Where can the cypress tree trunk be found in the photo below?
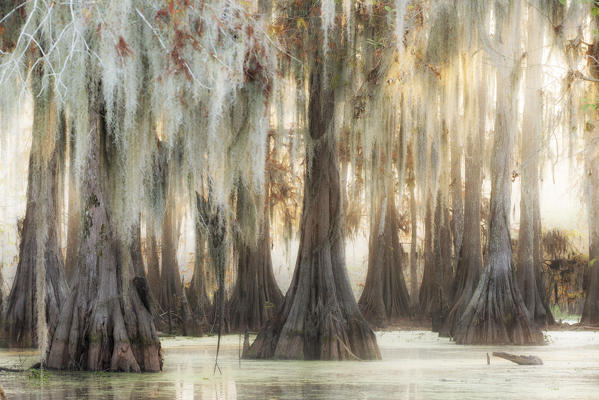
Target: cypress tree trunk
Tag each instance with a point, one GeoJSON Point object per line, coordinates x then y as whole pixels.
{"type": "Point", "coordinates": [197, 295]}
{"type": "Point", "coordinates": [539, 261]}
{"type": "Point", "coordinates": [590, 313]}
{"type": "Point", "coordinates": [457, 201]}
{"type": "Point", "coordinates": [39, 281]}
{"type": "Point", "coordinates": [496, 313]}
{"type": "Point", "coordinates": [385, 297]}
{"type": "Point", "coordinates": [74, 216]}
{"type": "Point", "coordinates": [429, 291]}
{"type": "Point", "coordinates": [413, 245]}
{"type": "Point", "coordinates": [470, 257]}
{"type": "Point", "coordinates": [214, 226]}
{"type": "Point", "coordinates": [134, 252]}
{"type": "Point", "coordinates": [443, 271]}
{"type": "Point", "coordinates": [173, 297]}
{"type": "Point", "coordinates": [469, 261]}
{"type": "Point", "coordinates": [137, 260]}
{"type": "Point", "coordinates": [530, 224]}
{"type": "Point", "coordinates": [153, 262]}
{"type": "Point", "coordinates": [319, 318]}
{"type": "Point", "coordinates": [104, 324]}
{"type": "Point", "coordinates": [256, 295]}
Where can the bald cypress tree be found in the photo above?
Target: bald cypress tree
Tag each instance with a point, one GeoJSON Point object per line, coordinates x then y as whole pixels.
{"type": "Point", "coordinates": [39, 287]}
{"type": "Point", "coordinates": [319, 318]}
{"type": "Point", "coordinates": [590, 313]}
{"type": "Point", "coordinates": [119, 334]}
{"type": "Point", "coordinates": [496, 313]}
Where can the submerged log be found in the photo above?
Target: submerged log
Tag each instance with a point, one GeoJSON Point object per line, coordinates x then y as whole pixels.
{"type": "Point", "coordinates": [520, 360]}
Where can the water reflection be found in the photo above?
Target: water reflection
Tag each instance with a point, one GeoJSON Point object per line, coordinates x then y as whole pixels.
{"type": "Point", "coordinates": [416, 365]}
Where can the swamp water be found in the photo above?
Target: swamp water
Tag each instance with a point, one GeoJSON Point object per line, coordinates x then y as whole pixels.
{"type": "Point", "coordinates": [416, 365]}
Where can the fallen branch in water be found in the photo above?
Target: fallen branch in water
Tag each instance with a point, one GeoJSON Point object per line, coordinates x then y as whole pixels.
{"type": "Point", "coordinates": [3, 369]}
{"type": "Point", "coordinates": [520, 360]}
{"type": "Point", "coordinates": [34, 366]}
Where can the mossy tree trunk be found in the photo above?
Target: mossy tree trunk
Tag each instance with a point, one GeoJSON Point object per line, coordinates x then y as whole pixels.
{"type": "Point", "coordinates": [39, 280]}
{"type": "Point", "coordinates": [104, 324]}
{"type": "Point", "coordinates": [319, 318]}
{"type": "Point", "coordinates": [385, 296]}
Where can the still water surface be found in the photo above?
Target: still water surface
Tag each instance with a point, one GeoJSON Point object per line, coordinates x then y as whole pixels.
{"type": "Point", "coordinates": [416, 365]}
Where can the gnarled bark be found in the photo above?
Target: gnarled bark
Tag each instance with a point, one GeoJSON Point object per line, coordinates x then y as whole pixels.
{"type": "Point", "coordinates": [385, 296]}
{"type": "Point", "coordinates": [319, 318]}
{"type": "Point", "coordinates": [103, 325]}
{"type": "Point", "coordinates": [40, 268]}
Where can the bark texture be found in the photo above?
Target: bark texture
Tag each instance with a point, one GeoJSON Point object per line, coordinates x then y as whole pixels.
{"type": "Point", "coordinates": [319, 318]}
{"type": "Point", "coordinates": [39, 281]}
{"type": "Point", "coordinates": [104, 324]}
{"type": "Point", "coordinates": [385, 296]}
